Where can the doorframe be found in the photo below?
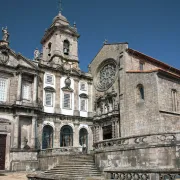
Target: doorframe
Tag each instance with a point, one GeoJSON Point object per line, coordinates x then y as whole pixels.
{"type": "Point", "coordinates": [7, 152]}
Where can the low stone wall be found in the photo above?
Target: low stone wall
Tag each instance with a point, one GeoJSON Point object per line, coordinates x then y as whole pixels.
{"type": "Point", "coordinates": [156, 151]}
{"type": "Point", "coordinates": [151, 174]}
{"type": "Point", "coordinates": [49, 158]}
{"type": "Point", "coordinates": [23, 160]}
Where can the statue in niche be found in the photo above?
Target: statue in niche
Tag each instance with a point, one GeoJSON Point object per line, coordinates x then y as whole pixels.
{"type": "Point", "coordinates": [5, 34]}
{"type": "Point", "coordinates": [36, 54]}
{"type": "Point", "coordinates": [26, 146]}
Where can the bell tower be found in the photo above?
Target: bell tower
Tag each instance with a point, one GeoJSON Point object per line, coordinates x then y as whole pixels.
{"type": "Point", "coordinates": [60, 42]}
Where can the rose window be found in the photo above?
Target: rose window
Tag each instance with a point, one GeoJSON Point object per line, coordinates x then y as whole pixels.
{"type": "Point", "coordinates": [106, 76]}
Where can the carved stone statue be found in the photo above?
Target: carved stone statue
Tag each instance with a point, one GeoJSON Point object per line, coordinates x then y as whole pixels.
{"type": "Point", "coordinates": [36, 53]}
{"type": "Point", "coordinates": [5, 34]}
{"type": "Point", "coordinates": [26, 146]}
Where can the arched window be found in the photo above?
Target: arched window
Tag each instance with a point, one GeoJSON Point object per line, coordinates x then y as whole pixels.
{"type": "Point", "coordinates": [66, 136]}
{"type": "Point", "coordinates": [66, 47]}
{"type": "Point", "coordinates": [83, 137]}
{"type": "Point", "coordinates": [49, 49]}
{"type": "Point", "coordinates": [47, 137]}
{"type": "Point", "coordinates": [140, 92]}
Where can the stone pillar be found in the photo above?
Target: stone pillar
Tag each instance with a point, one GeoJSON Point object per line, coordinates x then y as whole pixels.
{"type": "Point", "coordinates": [113, 129]}
{"type": "Point", "coordinates": [33, 136]}
{"type": "Point", "coordinates": [19, 86]}
{"type": "Point", "coordinates": [57, 96]}
{"type": "Point", "coordinates": [90, 95]}
{"type": "Point", "coordinates": [76, 97]}
{"type": "Point", "coordinates": [35, 89]}
{"type": "Point", "coordinates": [100, 133]}
{"type": "Point", "coordinates": [16, 132]}
{"type": "Point", "coordinates": [117, 134]}
{"type": "Point", "coordinates": [76, 135]}
{"type": "Point", "coordinates": [97, 133]}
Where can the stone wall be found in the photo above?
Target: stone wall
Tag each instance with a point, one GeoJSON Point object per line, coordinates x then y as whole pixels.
{"type": "Point", "coordinates": [23, 160]}
{"type": "Point", "coordinates": [153, 151]}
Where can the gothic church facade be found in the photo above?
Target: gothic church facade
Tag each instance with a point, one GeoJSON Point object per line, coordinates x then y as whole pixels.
{"type": "Point", "coordinates": [126, 108]}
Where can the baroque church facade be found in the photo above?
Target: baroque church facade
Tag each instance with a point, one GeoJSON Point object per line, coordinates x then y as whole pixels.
{"type": "Point", "coordinates": [125, 110]}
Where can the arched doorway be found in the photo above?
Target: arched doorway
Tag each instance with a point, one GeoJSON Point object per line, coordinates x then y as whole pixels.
{"type": "Point", "coordinates": [47, 137]}
{"type": "Point", "coordinates": [66, 136]}
{"type": "Point", "coordinates": [83, 138]}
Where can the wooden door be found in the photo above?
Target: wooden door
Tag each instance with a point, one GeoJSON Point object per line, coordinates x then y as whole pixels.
{"type": "Point", "coordinates": [2, 151]}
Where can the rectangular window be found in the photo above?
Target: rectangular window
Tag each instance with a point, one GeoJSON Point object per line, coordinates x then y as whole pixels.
{"type": "Point", "coordinates": [49, 79]}
{"type": "Point", "coordinates": [26, 91]}
{"type": "Point", "coordinates": [82, 86]}
{"type": "Point", "coordinates": [49, 99]}
{"type": "Point", "coordinates": [3, 84]}
{"type": "Point", "coordinates": [83, 104]}
{"type": "Point", "coordinates": [174, 99]}
{"type": "Point", "coordinates": [141, 66]}
{"type": "Point", "coordinates": [67, 101]}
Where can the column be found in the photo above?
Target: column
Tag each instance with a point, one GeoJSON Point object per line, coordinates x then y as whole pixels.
{"type": "Point", "coordinates": [113, 129]}
{"type": "Point", "coordinates": [117, 128]}
{"type": "Point", "coordinates": [35, 89]}
{"type": "Point", "coordinates": [19, 86]}
{"type": "Point", "coordinates": [100, 133]}
{"type": "Point", "coordinates": [16, 132]}
{"type": "Point", "coordinates": [90, 95]}
{"type": "Point", "coordinates": [76, 135]}
{"type": "Point", "coordinates": [57, 95]}
{"type": "Point", "coordinates": [76, 97]}
{"type": "Point", "coordinates": [33, 136]}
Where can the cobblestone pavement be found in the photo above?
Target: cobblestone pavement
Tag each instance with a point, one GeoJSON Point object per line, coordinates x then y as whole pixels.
{"type": "Point", "coordinates": [13, 176]}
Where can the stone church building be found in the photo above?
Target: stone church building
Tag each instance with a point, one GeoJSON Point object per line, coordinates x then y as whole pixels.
{"type": "Point", "coordinates": [125, 110]}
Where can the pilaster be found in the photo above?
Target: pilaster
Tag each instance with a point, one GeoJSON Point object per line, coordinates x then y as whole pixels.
{"type": "Point", "coordinates": [58, 98]}
{"type": "Point", "coordinates": [35, 90]}
{"type": "Point", "coordinates": [76, 97]}
{"type": "Point", "coordinates": [16, 132]}
{"type": "Point", "coordinates": [33, 136]}
{"type": "Point", "coordinates": [19, 86]}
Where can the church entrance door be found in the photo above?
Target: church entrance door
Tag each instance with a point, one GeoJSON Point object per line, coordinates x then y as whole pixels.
{"type": "Point", "coordinates": [2, 151]}
{"type": "Point", "coordinates": [83, 139]}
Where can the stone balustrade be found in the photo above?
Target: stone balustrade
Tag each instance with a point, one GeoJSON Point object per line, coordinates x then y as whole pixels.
{"type": "Point", "coordinates": [60, 151]}
{"type": "Point", "coordinates": [139, 141]}
{"type": "Point", "coordinates": [143, 175]}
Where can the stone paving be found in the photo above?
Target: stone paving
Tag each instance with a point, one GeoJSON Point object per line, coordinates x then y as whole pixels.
{"type": "Point", "coordinates": [13, 176]}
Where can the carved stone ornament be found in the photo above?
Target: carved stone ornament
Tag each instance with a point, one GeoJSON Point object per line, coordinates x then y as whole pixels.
{"type": "Point", "coordinates": [106, 75]}
{"type": "Point", "coordinates": [67, 83]}
{"type": "Point", "coordinates": [4, 57]}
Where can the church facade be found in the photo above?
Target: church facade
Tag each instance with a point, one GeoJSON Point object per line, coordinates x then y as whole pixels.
{"type": "Point", "coordinates": [126, 109]}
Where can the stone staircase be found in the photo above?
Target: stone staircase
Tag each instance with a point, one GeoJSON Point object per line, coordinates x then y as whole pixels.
{"type": "Point", "coordinates": [79, 167]}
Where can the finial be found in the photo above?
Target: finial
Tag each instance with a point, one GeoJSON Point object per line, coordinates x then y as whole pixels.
{"type": "Point", "coordinates": [60, 6]}
{"type": "Point", "coordinates": [105, 41]}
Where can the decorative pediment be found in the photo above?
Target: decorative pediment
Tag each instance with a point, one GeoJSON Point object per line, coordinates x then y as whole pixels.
{"type": "Point", "coordinates": [49, 88]}
{"type": "Point", "coordinates": [83, 95]}
{"type": "Point", "coordinates": [67, 83]}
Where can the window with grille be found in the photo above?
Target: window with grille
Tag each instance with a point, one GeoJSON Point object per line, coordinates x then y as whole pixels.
{"type": "Point", "coordinates": [67, 101]}
{"type": "Point", "coordinates": [49, 79]}
{"type": "Point", "coordinates": [82, 86]}
{"type": "Point", "coordinates": [83, 104]}
{"type": "Point", "coordinates": [49, 99]}
{"type": "Point", "coordinates": [3, 84]}
{"type": "Point", "coordinates": [26, 91]}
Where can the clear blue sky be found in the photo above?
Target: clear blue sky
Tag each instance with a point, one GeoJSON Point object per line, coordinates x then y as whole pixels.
{"type": "Point", "coordinates": [149, 26]}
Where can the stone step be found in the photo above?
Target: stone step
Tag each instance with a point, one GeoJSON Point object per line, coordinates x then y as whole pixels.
{"type": "Point", "coordinates": [73, 171]}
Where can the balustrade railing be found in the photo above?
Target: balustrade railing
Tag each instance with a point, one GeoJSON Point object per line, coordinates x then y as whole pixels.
{"type": "Point", "coordinates": [149, 139]}
{"type": "Point", "coordinates": [60, 151]}
{"type": "Point", "coordinates": [142, 175]}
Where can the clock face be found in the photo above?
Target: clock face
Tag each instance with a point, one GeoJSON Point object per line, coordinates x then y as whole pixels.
{"type": "Point", "coordinates": [4, 57]}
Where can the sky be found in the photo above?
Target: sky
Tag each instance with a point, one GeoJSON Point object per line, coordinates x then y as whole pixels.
{"type": "Point", "coordinates": [149, 26]}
